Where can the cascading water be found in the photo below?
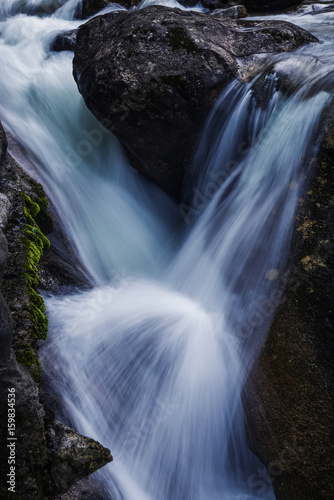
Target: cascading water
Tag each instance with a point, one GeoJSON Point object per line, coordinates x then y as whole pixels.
{"type": "Point", "coordinates": [152, 362]}
{"type": "Point", "coordinates": [41, 105]}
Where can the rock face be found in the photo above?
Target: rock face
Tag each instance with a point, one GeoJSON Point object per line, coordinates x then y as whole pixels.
{"type": "Point", "coordinates": [235, 12]}
{"type": "Point", "coordinates": [151, 76]}
{"type": "Point", "coordinates": [49, 457]}
{"type": "Point", "coordinates": [88, 8]}
{"type": "Point", "coordinates": [3, 143]}
{"type": "Point", "coordinates": [64, 41]}
{"type": "Point", "coordinates": [265, 6]}
{"type": "Point", "coordinates": [293, 380]}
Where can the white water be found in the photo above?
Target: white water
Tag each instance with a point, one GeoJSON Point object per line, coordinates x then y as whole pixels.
{"type": "Point", "coordinates": [151, 362]}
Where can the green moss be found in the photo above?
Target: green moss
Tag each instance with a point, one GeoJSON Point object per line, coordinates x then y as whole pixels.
{"type": "Point", "coordinates": [39, 208]}
{"type": "Point", "coordinates": [91, 465]}
{"type": "Point", "coordinates": [31, 207]}
{"type": "Point", "coordinates": [28, 358]}
{"type": "Point", "coordinates": [179, 39]}
{"type": "Point", "coordinates": [35, 243]}
{"type": "Point", "coordinates": [87, 468]}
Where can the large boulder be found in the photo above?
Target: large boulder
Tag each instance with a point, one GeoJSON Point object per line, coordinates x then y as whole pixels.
{"type": "Point", "coordinates": [151, 76]}
{"type": "Point", "coordinates": [289, 398]}
{"type": "Point", "coordinates": [265, 6]}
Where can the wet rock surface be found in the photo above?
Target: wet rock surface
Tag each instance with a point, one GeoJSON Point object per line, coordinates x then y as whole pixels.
{"type": "Point", "coordinates": [49, 457]}
{"type": "Point", "coordinates": [151, 77]}
{"type": "Point", "coordinates": [235, 12]}
{"type": "Point", "coordinates": [289, 399]}
{"type": "Point", "coordinates": [266, 6]}
{"type": "Point", "coordinates": [59, 268]}
{"type": "Point", "coordinates": [86, 489]}
{"type": "Point", "coordinates": [64, 41]}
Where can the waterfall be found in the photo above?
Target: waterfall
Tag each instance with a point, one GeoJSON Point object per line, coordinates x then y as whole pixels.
{"type": "Point", "coordinates": [152, 361]}
{"type": "Point", "coordinates": [158, 366]}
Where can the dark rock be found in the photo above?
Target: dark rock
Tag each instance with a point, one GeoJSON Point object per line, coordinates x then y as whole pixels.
{"type": "Point", "coordinates": [289, 74]}
{"type": "Point", "coordinates": [151, 76]}
{"type": "Point", "coordinates": [289, 399]}
{"type": "Point", "coordinates": [188, 3]}
{"type": "Point", "coordinates": [233, 10]}
{"type": "Point", "coordinates": [6, 328]}
{"type": "Point", "coordinates": [49, 457]}
{"type": "Point", "coordinates": [76, 456]}
{"type": "Point", "coordinates": [86, 489]}
{"type": "Point", "coordinates": [4, 210]}
{"type": "Point", "coordinates": [236, 12]}
{"type": "Point", "coordinates": [214, 4]}
{"type": "Point", "coordinates": [64, 41]}
{"type": "Point", "coordinates": [88, 8]}
{"type": "Point", "coordinates": [3, 254]}
{"type": "Point", "coordinates": [3, 143]}
{"type": "Point", "coordinates": [59, 268]}
{"type": "Point", "coordinates": [264, 6]}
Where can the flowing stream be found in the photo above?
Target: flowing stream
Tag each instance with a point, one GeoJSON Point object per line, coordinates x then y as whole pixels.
{"type": "Point", "coordinates": [152, 360]}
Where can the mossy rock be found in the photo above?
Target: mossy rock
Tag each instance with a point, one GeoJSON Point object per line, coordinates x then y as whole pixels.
{"type": "Point", "coordinates": [26, 243]}
{"type": "Point", "coordinates": [35, 243]}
